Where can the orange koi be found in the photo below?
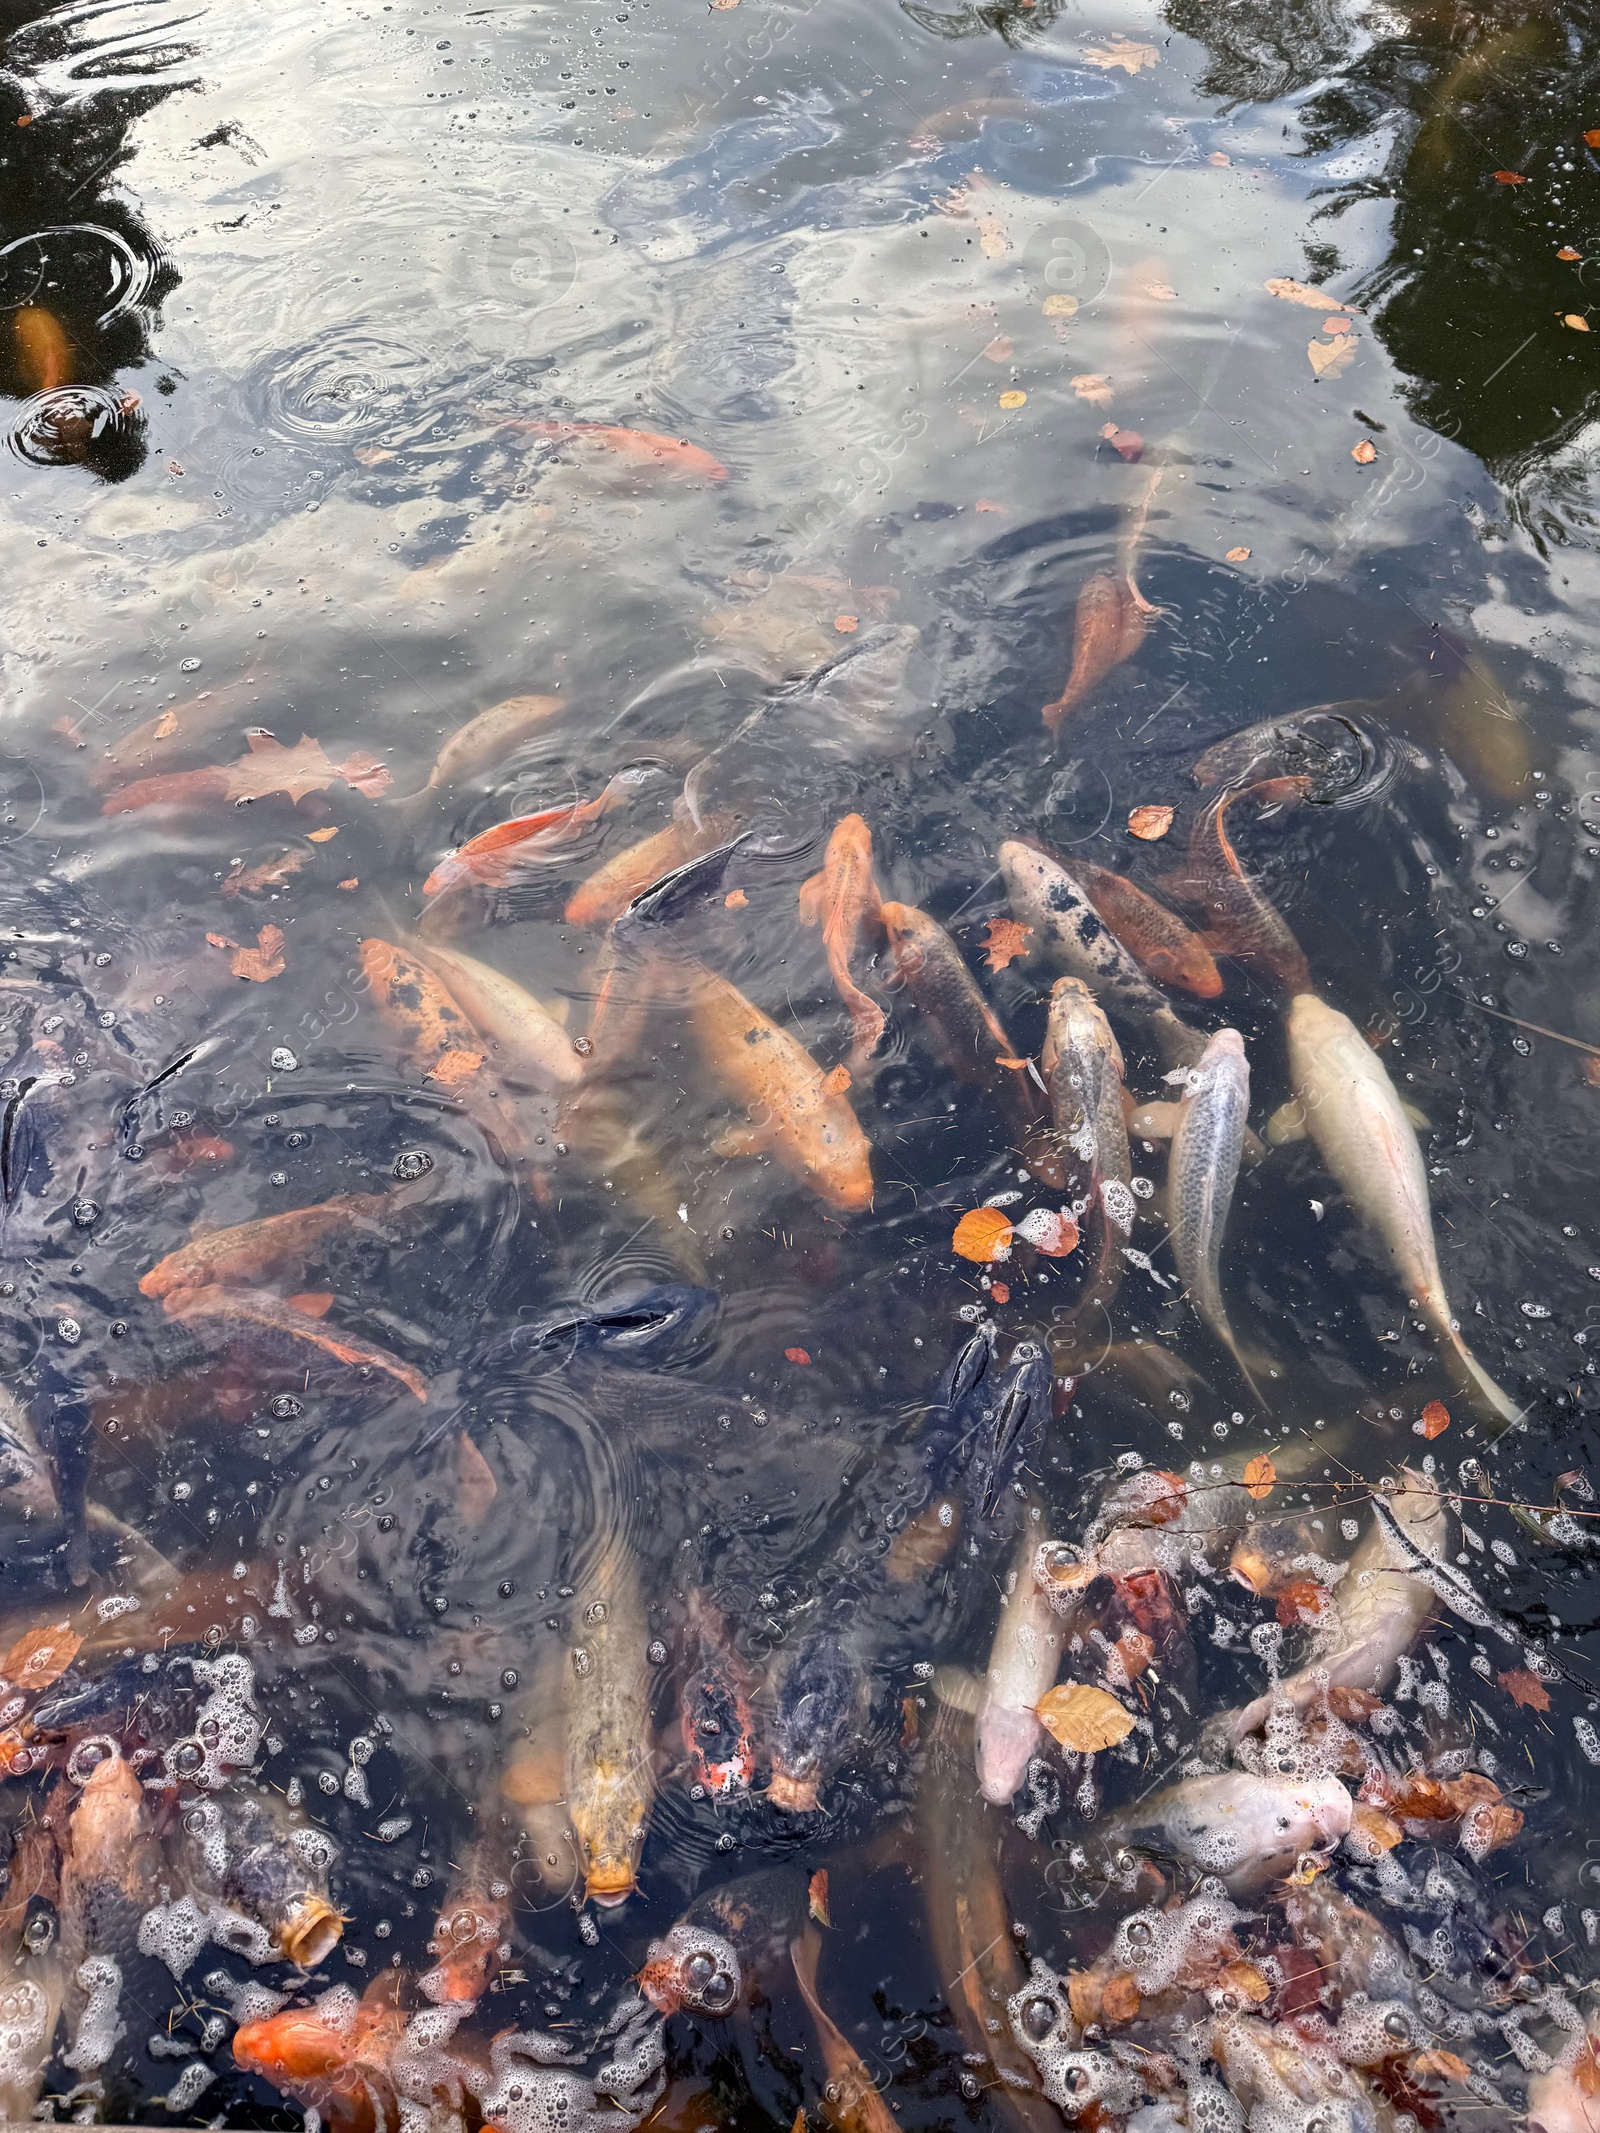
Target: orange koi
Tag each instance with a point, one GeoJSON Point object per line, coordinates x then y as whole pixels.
{"type": "Point", "coordinates": [1108, 628]}
{"type": "Point", "coordinates": [851, 2099]}
{"type": "Point", "coordinates": [646, 449]}
{"type": "Point", "coordinates": [334, 2056]}
{"type": "Point", "coordinates": [1159, 942]}
{"type": "Point", "coordinates": [611, 888]}
{"type": "Point", "coordinates": [496, 856]}
{"type": "Point", "coordinates": [841, 898]}
{"type": "Point", "coordinates": [1241, 922]}
{"type": "Point", "coordinates": [471, 1937]}
{"type": "Point", "coordinates": [44, 353]}
{"type": "Point", "coordinates": [257, 1251]}
{"type": "Point", "coordinates": [797, 1114]}
{"type": "Point", "coordinates": [416, 1004]}
{"type": "Point", "coordinates": [254, 1308]}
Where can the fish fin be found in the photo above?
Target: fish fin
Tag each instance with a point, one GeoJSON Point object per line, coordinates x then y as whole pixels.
{"type": "Point", "coordinates": [1479, 1383]}
{"type": "Point", "coordinates": [1287, 1124]}
{"type": "Point", "coordinates": [960, 1688]}
{"type": "Point", "coordinates": [740, 1140]}
{"type": "Point", "coordinates": [311, 1303]}
{"type": "Point", "coordinates": [1418, 1117]}
{"type": "Point", "coordinates": [814, 900]}
{"type": "Point", "coordinates": [1154, 1121]}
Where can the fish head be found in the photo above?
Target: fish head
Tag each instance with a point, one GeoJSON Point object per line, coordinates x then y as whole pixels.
{"type": "Point", "coordinates": [469, 1940]}
{"type": "Point", "coordinates": [301, 2044]}
{"type": "Point", "coordinates": [694, 1968]}
{"type": "Point", "coordinates": [718, 1731]}
{"type": "Point", "coordinates": [610, 1815]}
{"type": "Point", "coordinates": [311, 1931]}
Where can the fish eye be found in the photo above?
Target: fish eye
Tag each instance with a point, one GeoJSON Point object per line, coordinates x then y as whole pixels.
{"type": "Point", "coordinates": [1039, 2018]}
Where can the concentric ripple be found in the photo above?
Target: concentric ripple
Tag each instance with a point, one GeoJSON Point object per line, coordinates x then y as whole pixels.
{"type": "Point", "coordinates": [83, 257]}
{"type": "Point", "coordinates": [73, 425]}
{"type": "Point", "coordinates": [346, 385]}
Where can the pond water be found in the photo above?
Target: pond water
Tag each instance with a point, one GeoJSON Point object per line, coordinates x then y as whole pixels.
{"type": "Point", "coordinates": [587, 589]}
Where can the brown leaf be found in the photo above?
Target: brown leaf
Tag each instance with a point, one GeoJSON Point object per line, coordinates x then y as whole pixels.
{"type": "Point", "coordinates": [1083, 1996]}
{"type": "Point", "coordinates": [1435, 1419]}
{"type": "Point", "coordinates": [1376, 1831]}
{"type": "Point", "coordinates": [1004, 941]}
{"type": "Point", "coordinates": [352, 883]}
{"type": "Point", "coordinates": [1151, 823]}
{"type": "Point", "coordinates": [796, 1355]}
{"type": "Point", "coordinates": [1592, 136]}
{"type": "Point", "coordinates": [1246, 1980]}
{"type": "Point", "coordinates": [1134, 1652]}
{"type": "Point", "coordinates": [1352, 1707]}
{"type": "Point", "coordinates": [846, 624]}
{"type": "Point", "coordinates": [1336, 325]}
{"type": "Point", "coordinates": [1440, 2066]}
{"type": "Point", "coordinates": [1127, 444]}
{"type": "Point", "coordinates": [982, 1235]}
{"type": "Point", "coordinates": [1237, 555]}
{"type": "Point", "coordinates": [41, 1656]}
{"type": "Point", "coordinates": [1000, 1291]}
{"type": "Point", "coordinates": [1050, 1230]}
{"type": "Point", "coordinates": [321, 836]}
{"type": "Point", "coordinates": [1260, 1476]}
{"type": "Point", "coordinates": [1364, 453]}
{"type": "Point", "coordinates": [1525, 1688]}
{"type": "Point", "coordinates": [306, 767]}
{"type": "Point", "coordinates": [1302, 1600]}
{"type": "Point", "coordinates": [1091, 386]}
{"type": "Point", "coordinates": [1576, 321]}
{"type": "Point", "coordinates": [817, 1897]}
{"type": "Point", "coordinates": [1566, 252]}
{"type": "Point", "coordinates": [264, 960]}
{"type": "Point", "coordinates": [1120, 1997]}
{"type": "Point", "coordinates": [1120, 52]}
{"type": "Point", "coordinates": [1509, 177]}
{"type": "Point", "coordinates": [1296, 292]}
{"type": "Point", "coordinates": [1084, 1719]}
{"type": "Point", "coordinates": [454, 1067]}
{"type": "Point", "coordinates": [270, 874]}
{"type": "Point", "coordinates": [1328, 358]}
{"type": "Point", "coordinates": [166, 726]}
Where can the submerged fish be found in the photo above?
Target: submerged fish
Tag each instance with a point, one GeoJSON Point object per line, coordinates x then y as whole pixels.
{"type": "Point", "coordinates": [819, 1697]}
{"type": "Point", "coordinates": [532, 1047]}
{"type": "Point", "coordinates": [1241, 922]}
{"type": "Point", "coordinates": [1324, 745]}
{"type": "Point", "coordinates": [44, 354]}
{"type": "Point", "coordinates": [842, 899]}
{"type": "Point", "coordinates": [34, 1983]}
{"type": "Point", "coordinates": [610, 1755]}
{"type": "Point", "coordinates": [608, 892]}
{"type": "Point", "coordinates": [1072, 935]}
{"type": "Point", "coordinates": [714, 1707]}
{"type": "Point", "coordinates": [261, 1250]}
{"type": "Point", "coordinates": [495, 857]}
{"type": "Point", "coordinates": [417, 1005]}
{"type": "Point", "coordinates": [471, 1937]}
{"type": "Point", "coordinates": [1206, 1146]}
{"type": "Point", "coordinates": [1159, 942]}
{"type": "Point", "coordinates": [1245, 1829]}
{"type": "Point", "coordinates": [489, 738]}
{"type": "Point", "coordinates": [728, 1946]}
{"type": "Point", "coordinates": [1278, 2080]}
{"type": "Point", "coordinates": [1345, 1100]}
{"type": "Point", "coordinates": [968, 1035]}
{"type": "Point", "coordinates": [250, 1851]}
{"type": "Point", "coordinates": [795, 1113]}
{"type": "Point", "coordinates": [335, 2056]}
{"type": "Point", "coordinates": [1023, 1663]}
{"type": "Point", "coordinates": [1083, 1070]}
{"type": "Point", "coordinates": [645, 449]}
{"type": "Point", "coordinates": [851, 2100]}
{"type": "Point", "coordinates": [1108, 627]}
{"type": "Point", "coordinates": [252, 1307]}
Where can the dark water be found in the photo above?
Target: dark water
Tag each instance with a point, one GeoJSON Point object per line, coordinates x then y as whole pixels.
{"type": "Point", "coordinates": [278, 290]}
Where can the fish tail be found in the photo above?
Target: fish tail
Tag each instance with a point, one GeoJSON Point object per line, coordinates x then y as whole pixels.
{"type": "Point", "coordinates": [1477, 1381]}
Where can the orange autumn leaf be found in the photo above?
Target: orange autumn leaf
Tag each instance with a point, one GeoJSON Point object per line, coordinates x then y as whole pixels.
{"type": "Point", "coordinates": [1377, 1831]}
{"type": "Point", "coordinates": [1237, 555]}
{"type": "Point", "coordinates": [1120, 1998]}
{"type": "Point", "coordinates": [1364, 453]}
{"type": "Point", "coordinates": [735, 900]}
{"type": "Point", "coordinates": [270, 874]}
{"type": "Point", "coordinates": [1245, 1980]}
{"type": "Point", "coordinates": [166, 726]}
{"type": "Point", "coordinates": [982, 1235]}
{"type": "Point", "coordinates": [321, 836]}
{"type": "Point", "coordinates": [269, 768]}
{"type": "Point", "coordinates": [1000, 1291]}
{"type": "Point", "coordinates": [796, 1355]}
{"type": "Point", "coordinates": [263, 961]}
{"type": "Point", "coordinates": [1049, 1230]}
{"type": "Point", "coordinates": [1004, 940]}
{"type": "Point", "coordinates": [1525, 1688]}
{"type": "Point", "coordinates": [41, 1656]}
{"type": "Point", "coordinates": [1151, 823]}
{"type": "Point", "coordinates": [845, 624]}
{"type": "Point", "coordinates": [1260, 1476]}
{"type": "Point", "coordinates": [817, 1897]}
{"type": "Point", "coordinates": [1435, 1419]}
{"type": "Point", "coordinates": [1508, 177]}
{"type": "Point", "coordinates": [454, 1067]}
{"type": "Point", "coordinates": [1094, 388]}
{"type": "Point", "coordinates": [1127, 444]}
{"type": "Point", "coordinates": [1084, 1719]}
{"type": "Point", "coordinates": [836, 1081]}
{"type": "Point", "coordinates": [1592, 136]}
{"type": "Point", "coordinates": [1302, 1600]}
{"type": "Point", "coordinates": [1440, 2066]}
{"type": "Point", "coordinates": [1566, 252]}
{"type": "Point", "coordinates": [352, 883]}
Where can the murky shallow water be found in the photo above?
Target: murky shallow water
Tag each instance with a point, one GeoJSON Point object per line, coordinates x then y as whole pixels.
{"type": "Point", "coordinates": [328, 344]}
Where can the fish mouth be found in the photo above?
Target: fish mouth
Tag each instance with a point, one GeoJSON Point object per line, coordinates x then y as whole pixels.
{"type": "Point", "coordinates": [610, 1882]}
{"type": "Point", "coordinates": [796, 1796]}
{"type": "Point", "coordinates": [311, 1932]}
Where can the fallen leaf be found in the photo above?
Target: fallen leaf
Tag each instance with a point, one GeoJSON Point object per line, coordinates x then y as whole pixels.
{"type": "Point", "coordinates": [982, 1235]}
{"type": "Point", "coordinates": [1059, 305]}
{"type": "Point", "coordinates": [1576, 321]}
{"type": "Point", "coordinates": [1593, 136]}
{"type": "Point", "coordinates": [1246, 1980]}
{"type": "Point", "coordinates": [724, 4]}
{"type": "Point", "coordinates": [1352, 1706]}
{"type": "Point", "coordinates": [264, 960]}
{"type": "Point", "coordinates": [1083, 1997]}
{"type": "Point", "coordinates": [1162, 291]}
{"type": "Point", "coordinates": [270, 874]}
{"type": "Point", "coordinates": [1120, 52]}
{"type": "Point", "coordinates": [1566, 252]}
{"type": "Point", "coordinates": [1328, 358]}
{"type": "Point", "coordinates": [999, 349]}
{"type": "Point", "coordinates": [1364, 453]}
{"type": "Point", "coordinates": [1508, 177]}
{"type": "Point", "coordinates": [1127, 444]}
{"type": "Point", "coordinates": [983, 504]}
{"type": "Point", "coordinates": [1219, 160]}
{"type": "Point", "coordinates": [836, 1081]}
{"type": "Point", "coordinates": [1012, 1066]}
{"type": "Point", "coordinates": [166, 726]}
{"type": "Point", "coordinates": [454, 1067]}
{"type": "Point", "coordinates": [1120, 1998]}
{"type": "Point", "coordinates": [1000, 1291]}
{"type": "Point", "coordinates": [1237, 555]}
{"type": "Point", "coordinates": [1297, 292]}
{"type": "Point", "coordinates": [1302, 1600]}
{"type": "Point", "coordinates": [1084, 1719]}
{"type": "Point", "coordinates": [992, 240]}
{"type": "Point", "coordinates": [1004, 941]}
{"type": "Point", "coordinates": [1152, 823]}
{"type": "Point", "coordinates": [1591, 1071]}
{"type": "Point", "coordinates": [735, 900]}
{"type": "Point", "coordinates": [1441, 2066]}
{"type": "Point", "coordinates": [844, 624]}
{"type": "Point", "coordinates": [1012, 401]}
{"type": "Point", "coordinates": [1377, 1831]}
{"type": "Point", "coordinates": [1525, 1689]}
{"type": "Point", "coordinates": [352, 883]}
{"type": "Point", "coordinates": [1435, 1419]}
{"type": "Point", "coordinates": [1049, 1230]}
{"type": "Point", "coordinates": [817, 1897]}
{"type": "Point", "coordinates": [796, 1355]}
{"type": "Point", "coordinates": [41, 1656]}
{"type": "Point", "coordinates": [1260, 1476]}
{"type": "Point", "coordinates": [321, 836]}
{"type": "Point", "coordinates": [268, 768]}
{"type": "Point", "coordinates": [1091, 386]}
{"type": "Point", "coordinates": [1336, 325]}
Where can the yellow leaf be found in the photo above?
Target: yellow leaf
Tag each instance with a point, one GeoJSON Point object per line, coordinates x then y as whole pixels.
{"type": "Point", "coordinates": [1577, 323]}
{"type": "Point", "coordinates": [992, 241]}
{"type": "Point", "coordinates": [1084, 1719]}
{"type": "Point", "coordinates": [1012, 400]}
{"type": "Point", "coordinates": [321, 836]}
{"type": "Point", "coordinates": [1328, 358]}
{"type": "Point", "coordinates": [982, 1235]}
{"type": "Point", "coordinates": [1260, 1476]}
{"type": "Point", "coordinates": [1376, 1831]}
{"type": "Point", "coordinates": [1060, 305]}
{"type": "Point", "coordinates": [166, 726]}
{"type": "Point", "coordinates": [40, 1657]}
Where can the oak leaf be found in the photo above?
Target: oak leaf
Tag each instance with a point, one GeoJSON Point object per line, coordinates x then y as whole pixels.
{"type": "Point", "coordinates": [1328, 358]}
{"type": "Point", "coordinates": [982, 1235]}
{"type": "Point", "coordinates": [1525, 1689]}
{"type": "Point", "coordinates": [263, 961]}
{"type": "Point", "coordinates": [1260, 1476]}
{"type": "Point", "coordinates": [1151, 823]}
{"type": "Point", "coordinates": [1120, 52]}
{"type": "Point", "coordinates": [1091, 386]}
{"type": "Point", "coordinates": [1005, 940]}
{"type": "Point", "coordinates": [306, 767]}
{"type": "Point", "coordinates": [1084, 1719]}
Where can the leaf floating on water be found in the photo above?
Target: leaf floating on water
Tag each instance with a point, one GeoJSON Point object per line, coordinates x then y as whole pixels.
{"type": "Point", "coordinates": [1120, 52]}
{"type": "Point", "coordinates": [1576, 321]}
{"type": "Point", "coordinates": [1364, 453]}
{"type": "Point", "coordinates": [268, 769]}
{"type": "Point", "coordinates": [1005, 940]}
{"type": "Point", "coordinates": [1152, 823]}
{"type": "Point", "coordinates": [1084, 1719]}
{"type": "Point", "coordinates": [1566, 252]}
{"type": "Point", "coordinates": [836, 1081]}
{"type": "Point", "coordinates": [844, 624]}
{"type": "Point", "coordinates": [1328, 358]}
{"type": "Point", "coordinates": [1091, 386]}
{"type": "Point", "coordinates": [1435, 1419]}
{"type": "Point", "coordinates": [1260, 1476]}
{"type": "Point", "coordinates": [41, 1656]}
{"type": "Point", "coordinates": [166, 726]}
{"type": "Point", "coordinates": [1127, 444]}
{"type": "Point", "coordinates": [321, 836]}
{"type": "Point", "coordinates": [263, 961]}
{"type": "Point", "coordinates": [817, 1897]}
{"type": "Point", "coordinates": [1509, 177]}
{"type": "Point", "coordinates": [1237, 555]}
{"type": "Point", "coordinates": [1593, 136]}
{"type": "Point", "coordinates": [992, 240]}
{"type": "Point", "coordinates": [1219, 160]}
{"type": "Point", "coordinates": [1521, 1686]}
{"type": "Point", "coordinates": [1298, 292]}
{"type": "Point", "coordinates": [1378, 1832]}
{"type": "Point", "coordinates": [1000, 1292]}
{"type": "Point", "coordinates": [1012, 401]}
{"type": "Point", "coordinates": [1121, 1999]}
{"type": "Point", "coordinates": [1162, 292]}
{"type": "Point", "coordinates": [796, 1355]}
{"type": "Point", "coordinates": [983, 1235]}
{"type": "Point", "coordinates": [1049, 1230]}
{"type": "Point", "coordinates": [270, 874]}
{"type": "Point", "coordinates": [1441, 2066]}
{"type": "Point", "coordinates": [1059, 305]}
{"type": "Point", "coordinates": [735, 900]}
